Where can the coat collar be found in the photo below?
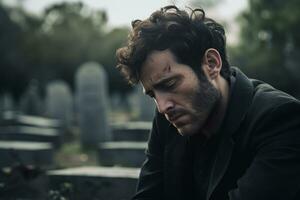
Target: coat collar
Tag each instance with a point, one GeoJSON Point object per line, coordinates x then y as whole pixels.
{"type": "Point", "coordinates": [240, 99]}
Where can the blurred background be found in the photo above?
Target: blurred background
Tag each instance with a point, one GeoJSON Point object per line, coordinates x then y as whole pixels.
{"type": "Point", "coordinates": [48, 40]}
{"type": "Point", "coordinates": [65, 110]}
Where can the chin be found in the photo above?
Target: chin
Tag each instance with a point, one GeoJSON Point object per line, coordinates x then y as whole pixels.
{"type": "Point", "coordinates": [190, 129]}
{"type": "Point", "coordinates": [187, 131]}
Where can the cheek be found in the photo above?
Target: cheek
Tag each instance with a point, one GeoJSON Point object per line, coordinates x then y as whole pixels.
{"type": "Point", "coordinates": [186, 97]}
{"type": "Point", "coordinates": [190, 90]}
{"type": "Point", "coordinates": [184, 94]}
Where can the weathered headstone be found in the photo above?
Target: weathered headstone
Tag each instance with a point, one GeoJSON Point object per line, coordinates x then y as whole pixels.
{"type": "Point", "coordinates": [6, 103]}
{"type": "Point", "coordinates": [110, 183]}
{"type": "Point", "coordinates": [30, 133]}
{"type": "Point", "coordinates": [122, 153]}
{"type": "Point", "coordinates": [92, 104]}
{"type": "Point", "coordinates": [16, 119]}
{"type": "Point", "coordinates": [119, 103]}
{"type": "Point", "coordinates": [145, 106]}
{"type": "Point", "coordinates": [26, 153]}
{"type": "Point", "coordinates": [59, 102]}
{"type": "Point", "coordinates": [31, 103]}
{"type": "Point", "coordinates": [131, 131]}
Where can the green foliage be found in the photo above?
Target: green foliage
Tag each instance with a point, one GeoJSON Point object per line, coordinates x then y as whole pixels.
{"type": "Point", "coordinates": [22, 182]}
{"type": "Point", "coordinates": [270, 43]}
{"type": "Point", "coordinates": [12, 69]}
{"type": "Point", "coordinates": [64, 192]}
{"type": "Point", "coordinates": [55, 44]}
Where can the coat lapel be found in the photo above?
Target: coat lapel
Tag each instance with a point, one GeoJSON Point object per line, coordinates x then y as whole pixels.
{"type": "Point", "coordinates": [239, 102]}
{"type": "Point", "coordinates": [175, 154]}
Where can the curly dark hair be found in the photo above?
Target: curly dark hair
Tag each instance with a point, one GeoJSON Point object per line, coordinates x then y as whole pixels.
{"type": "Point", "coordinates": [187, 36]}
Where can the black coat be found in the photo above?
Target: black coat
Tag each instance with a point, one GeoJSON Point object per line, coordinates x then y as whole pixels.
{"type": "Point", "coordinates": [257, 156]}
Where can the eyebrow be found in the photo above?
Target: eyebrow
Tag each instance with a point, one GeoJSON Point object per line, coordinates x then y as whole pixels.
{"type": "Point", "coordinates": [160, 83]}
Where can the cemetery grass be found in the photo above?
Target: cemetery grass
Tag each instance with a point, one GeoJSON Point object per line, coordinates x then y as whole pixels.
{"type": "Point", "coordinates": [71, 154]}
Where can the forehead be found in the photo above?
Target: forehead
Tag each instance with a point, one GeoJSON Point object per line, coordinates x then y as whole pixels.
{"type": "Point", "coordinates": [157, 65]}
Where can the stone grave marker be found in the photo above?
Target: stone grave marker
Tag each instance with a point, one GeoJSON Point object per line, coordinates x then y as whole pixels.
{"type": "Point", "coordinates": [92, 104]}
{"type": "Point", "coordinates": [109, 183]}
{"type": "Point", "coordinates": [16, 119]}
{"type": "Point", "coordinates": [122, 153]}
{"type": "Point", "coordinates": [31, 103]}
{"type": "Point", "coordinates": [144, 105]}
{"type": "Point", "coordinates": [59, 102]}
{"type": "Point", "coordinates": [6, 103]}
{"type": "Point", "coordinates": [30, 133]}
{"type": "Point", "coordinates": [27, 153]}
{"type": "Point", "coordinates": [131, 131]}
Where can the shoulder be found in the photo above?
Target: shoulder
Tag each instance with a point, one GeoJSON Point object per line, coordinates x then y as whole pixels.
{"type": "Point", "coordinates": [272, 115]}
{"type": "Point", "coordinates": [267, 100]}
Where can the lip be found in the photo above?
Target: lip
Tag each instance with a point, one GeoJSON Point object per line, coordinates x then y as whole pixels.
{"type": "Point", "coordinates": [174, 119]}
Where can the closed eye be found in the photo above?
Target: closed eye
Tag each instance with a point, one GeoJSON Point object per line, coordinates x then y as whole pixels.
{"type": "Point", "coordinates": [169, 85]}
{"type": "Point", "coordinates": [165, 85]}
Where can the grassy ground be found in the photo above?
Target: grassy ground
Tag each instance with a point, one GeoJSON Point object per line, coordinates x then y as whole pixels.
{"type": "Point", "coordinates": [70, 154]}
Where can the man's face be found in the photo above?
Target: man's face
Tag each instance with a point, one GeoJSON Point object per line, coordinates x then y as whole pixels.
{"type": "Point", "coordinates": [185, 101]}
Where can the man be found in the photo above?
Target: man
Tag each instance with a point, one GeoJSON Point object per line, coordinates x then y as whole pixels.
{"type": "Point", "coordinates": [217, 134]}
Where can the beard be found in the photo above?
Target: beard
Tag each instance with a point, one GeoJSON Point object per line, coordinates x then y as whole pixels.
{"type": "Point", "coordinates": [205, 101]}
{"type": "Point", "coordinates": [206, 98]}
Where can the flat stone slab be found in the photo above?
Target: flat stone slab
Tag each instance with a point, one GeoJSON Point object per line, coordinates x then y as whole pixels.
{"type": "Point", "coordinates": [122, 153]}
{"type": "Point", "coordinates": [135, 131]}
{"type": "Point", "coordinates": [98, 171]}
{"type": "Point", "coordinates": [13, 119]}
{"type": "Point", "coordinates": [27, 153]}
{"type": "Point", "coordinates": [109, 183]}
{"type": "Point", "coordinates": [33, 134]}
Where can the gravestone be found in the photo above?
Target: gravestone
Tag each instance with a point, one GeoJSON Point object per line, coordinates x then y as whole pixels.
{"type": "Point", "coordinates": [131, 131]}
{"type": "Point", "coordinates": [119, 103]}
{"type": "Point", "coordinates": [144, 105]}
{"type": "Point", "coordinates": [59, 102]}
{"type": "Point", "coordinates": [26, 153]}
{"type": "Point", "coordinates": [31, 103]}
{"type": "Point", "coordinates": [30, 133]}
{"type": "Point", "coordinates": [6, 103]}
{"type": "Point", "coordinates": [109, 183]}
{"type": "Point", "coordinates": [16, 119]}
{"type": "Point", "coordinates": [92, 104]}
{"type": "Point", "coordinates": [122, 153]}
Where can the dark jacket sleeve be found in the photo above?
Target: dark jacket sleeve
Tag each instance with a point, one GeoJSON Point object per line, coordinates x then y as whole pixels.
{"type": "Point", "coordinates": [275, 170]}
{"type": "Point", "coordinates": [150, 183]}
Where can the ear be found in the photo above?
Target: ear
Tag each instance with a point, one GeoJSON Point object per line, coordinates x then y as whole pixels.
{"type": "Point", "coordinates": [212, 63]}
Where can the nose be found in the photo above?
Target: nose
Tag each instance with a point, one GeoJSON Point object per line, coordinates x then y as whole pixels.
{"type": "Point", "coordinates": [163, 103]}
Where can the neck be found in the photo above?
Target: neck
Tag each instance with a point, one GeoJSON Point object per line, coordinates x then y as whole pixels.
{"type": "Point", "coordinates": [215, 120]}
